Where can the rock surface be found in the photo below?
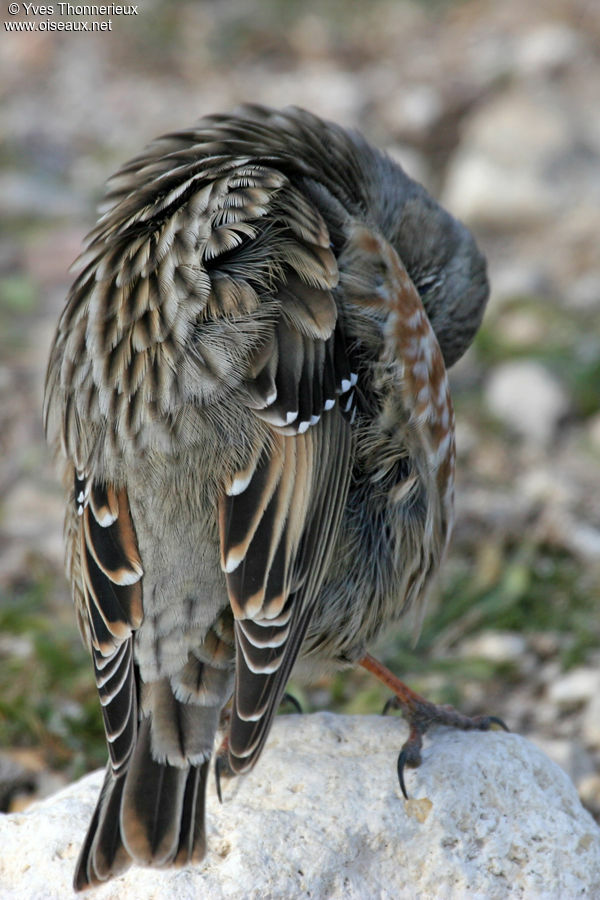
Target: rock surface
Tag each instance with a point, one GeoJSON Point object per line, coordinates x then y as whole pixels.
{"type": "Point", "coordinates": [322, 816]}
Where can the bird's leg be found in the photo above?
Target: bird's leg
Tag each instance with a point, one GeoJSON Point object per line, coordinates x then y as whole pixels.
{"type": "Point", "coordinates": [420, 715]}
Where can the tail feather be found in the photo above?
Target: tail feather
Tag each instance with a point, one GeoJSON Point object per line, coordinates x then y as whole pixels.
{"type": "Point", "coordinates": [103, 855]}
{"type": "Point", "coordinates": [150, 814]}
{"type": "Point", "coordinates": [150, 819]}
{"type": "Point", "coordinates": [109, 855]}
{"type": "Point", "coordinates": [192, 835]}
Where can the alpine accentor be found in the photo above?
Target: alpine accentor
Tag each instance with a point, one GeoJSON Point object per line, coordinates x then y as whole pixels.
{"type": "Point", "coordinates": [248, 391]}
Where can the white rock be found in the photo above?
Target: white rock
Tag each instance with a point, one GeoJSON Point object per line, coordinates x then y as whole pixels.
{"type": "Point", "coordinates": [527, 398]}
{"type": "Point", "coordinates": [322, 816]}
{"type": "Point", "coordinates": [575, 688]}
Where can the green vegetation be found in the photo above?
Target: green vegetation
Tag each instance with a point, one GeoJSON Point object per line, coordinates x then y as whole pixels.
{"type": "Point", "coordinates": [47, 695]}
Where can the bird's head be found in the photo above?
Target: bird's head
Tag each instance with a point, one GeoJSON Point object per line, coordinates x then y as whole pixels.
{"type": "Point", "coordinates": [439, 253]}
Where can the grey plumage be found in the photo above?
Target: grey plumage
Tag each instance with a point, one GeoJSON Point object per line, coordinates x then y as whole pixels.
{"type": "Point", "coordinates": [256, 433]}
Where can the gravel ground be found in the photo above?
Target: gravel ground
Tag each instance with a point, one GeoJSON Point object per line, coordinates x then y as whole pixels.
{"type": "Point", "coordinates": [489, 105]}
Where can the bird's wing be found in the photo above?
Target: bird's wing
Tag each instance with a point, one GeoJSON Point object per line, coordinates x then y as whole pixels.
{"type": "Point", "coordinates": [106, 572]}
{"type": "Point", "coordinates": [277, 536]}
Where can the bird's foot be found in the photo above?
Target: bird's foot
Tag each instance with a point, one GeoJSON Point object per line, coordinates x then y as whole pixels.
{"type": "Point", "coordinates": [421, 715]}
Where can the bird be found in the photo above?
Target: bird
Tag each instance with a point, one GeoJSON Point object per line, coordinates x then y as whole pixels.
{"type": "Point", "coordinates": [247, 392]}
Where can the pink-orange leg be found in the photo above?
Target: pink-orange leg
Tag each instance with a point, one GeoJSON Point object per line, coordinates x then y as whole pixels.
{"type": "Point", "coordinates": [420, 715]}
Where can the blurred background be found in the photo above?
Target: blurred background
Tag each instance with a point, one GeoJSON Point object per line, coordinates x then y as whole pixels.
{"type": "Point", "coordinates": [494, 107]}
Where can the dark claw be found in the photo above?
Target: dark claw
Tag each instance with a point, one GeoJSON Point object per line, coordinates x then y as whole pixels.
{"type": "Point", "coordinates": [410, 755]}
{"type": "Point", "coordinates": [401, 765]}
{"type": "Point", "coordinates": [289, 698]}
{"type": "Point", "coordinates": [496, 720]}
{"type": "Point", "coordinates": [389, 704]}
{"type": "Point", "coordinates": [218, 770]}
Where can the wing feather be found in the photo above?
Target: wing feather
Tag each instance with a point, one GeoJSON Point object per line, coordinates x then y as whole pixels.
{"type": "Point", "coordinates": [104, 551]}
{"type": "Point", "coordinates": [268, 637]}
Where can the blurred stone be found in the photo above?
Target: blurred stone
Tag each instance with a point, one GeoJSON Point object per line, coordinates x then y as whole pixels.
{"type": "Point", "coordinates": [32, 513]}
{"type": "Point", "coordinates": [567, 530]}
{"type": "Point", "coordinates": [466, 438]}
{"type": "Point", "coordinates": [411, 161]}
{"type": "Point", "coordinates": [15, 780]}
{"type": "Point", "coordinates": [323, 88]}
{"type": "Point", "coordinates": [575, 688]}
{"type": "Point", "coordinates": [569, 754]}
{"type": "Point", "coordinates": [24, 196]}
{"type": "Point", "coordinates": [594, 431]}
{"type": "Point", "coordinates": [584, 292]}
{"type": "Point", "coordinates": [498, 177]}
{"type": "Point", "coordinates": [541, 485]}
{"type": "Point", "coordinates": [590, 725]}
{"type": "Point", "coordinates": [484, 193]}
{"type": "Point", "coordinates": [480, 511]}
{"type": "Point", "coordinates": [48, 257]}
{"type": "Point", "coordinates": [321, 815]}
{"type": "Point", "coordinates": [310, 37]}
{"type": "Point", "coordinates": [526, 397]}
{"type": "Point", "coordinates": [16, 646]}
{"type": "Point", "coordinates": [412, 112]}
{"type": "Point", "coordinates": [547, 49]}
{"type": "Point", "coordinates": [37, 780]}
{"type": "Point", "coordinates": [32, 516]}
{"type": "Point", "coordinates": [519, 130]}
{"type": "Point", "coordinates": [496, 646]}
{"type": "Point", "coordinates": [589, 791]}
{"type": "Point", "coordinates": [522, 328]}
{"type": "Point", "coordinates": [517, 278]}
{"type": "Point", "coordinates": [549, 672]}
{"type": "Point", "coordinates": [544, 643]}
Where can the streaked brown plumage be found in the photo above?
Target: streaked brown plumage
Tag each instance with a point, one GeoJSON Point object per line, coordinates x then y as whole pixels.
{"type": "Point", "coordinates": [248, 392]}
